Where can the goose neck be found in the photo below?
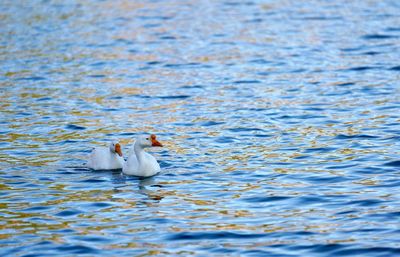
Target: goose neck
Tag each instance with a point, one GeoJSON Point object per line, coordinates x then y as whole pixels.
{"type": "Point", "coordinates": [139, 151]}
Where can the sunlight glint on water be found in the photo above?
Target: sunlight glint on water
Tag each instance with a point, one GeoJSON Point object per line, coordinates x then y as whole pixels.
{"type": "Point", "coordinates": [279, 119]}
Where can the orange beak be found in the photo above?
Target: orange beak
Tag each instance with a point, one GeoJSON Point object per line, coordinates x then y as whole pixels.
{"type": "Point", "coordinates": [118, 149]}
{"type": "Point", "coordinates": [154, 141]}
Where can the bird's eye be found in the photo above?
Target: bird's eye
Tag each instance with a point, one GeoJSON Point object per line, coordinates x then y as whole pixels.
{"type": "Point", "coordinates": [147, 138]}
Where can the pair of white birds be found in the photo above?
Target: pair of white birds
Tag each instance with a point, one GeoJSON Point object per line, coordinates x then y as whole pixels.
{"type": "Point", "coordinates": [139, 162]}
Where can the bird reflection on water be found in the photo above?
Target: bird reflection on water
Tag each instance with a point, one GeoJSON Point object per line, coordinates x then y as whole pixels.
{"type": "Point", "coordinates": [123, 182]}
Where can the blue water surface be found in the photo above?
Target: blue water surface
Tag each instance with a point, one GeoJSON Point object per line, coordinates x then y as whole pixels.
{"type": "Point", "coordinates": [280, 121]}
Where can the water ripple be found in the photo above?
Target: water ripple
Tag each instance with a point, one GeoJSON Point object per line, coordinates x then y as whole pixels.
{"type": "Point", "coordinates": [281, 131]}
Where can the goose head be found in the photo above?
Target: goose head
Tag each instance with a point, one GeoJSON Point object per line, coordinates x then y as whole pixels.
{"type": "Point", "coordinates": [148, 141]}
{"type": "Point", "coordinates": [115, 147]}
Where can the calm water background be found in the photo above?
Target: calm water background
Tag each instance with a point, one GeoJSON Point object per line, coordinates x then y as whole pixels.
{"type": "Point", "coordinates": [280, 120]}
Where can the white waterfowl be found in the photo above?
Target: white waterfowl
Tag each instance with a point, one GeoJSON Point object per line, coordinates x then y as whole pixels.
{"type": "Point", "coordinates": [139, 162]}
{"type": "Point", "coordinates": [106, 158]}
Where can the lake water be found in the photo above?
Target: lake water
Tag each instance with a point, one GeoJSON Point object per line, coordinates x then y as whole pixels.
{"type": "Point", "coordinates": [280, 121]}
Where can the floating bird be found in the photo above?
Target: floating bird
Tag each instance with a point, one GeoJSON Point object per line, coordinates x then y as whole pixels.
{"type": "Point", "coordinates": [139, 162]}
{"type": "Point", "coordinates": [103, 158]}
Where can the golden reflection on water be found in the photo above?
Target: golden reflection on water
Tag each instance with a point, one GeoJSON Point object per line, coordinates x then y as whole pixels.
{"type": "Point", "coordinates": [124, 95]}
{"type": "Point", "coordinates": [169, 113]}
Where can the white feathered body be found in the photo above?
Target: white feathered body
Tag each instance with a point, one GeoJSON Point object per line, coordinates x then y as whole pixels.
{"type": "Point", "coordinates": [140, 163]}
{"type": "Point", "coordinates": [101, 158]}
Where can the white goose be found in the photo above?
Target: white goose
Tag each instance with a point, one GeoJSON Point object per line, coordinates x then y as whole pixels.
{"type": "Point", "coordinates": [140, 163]}
{"type": "Point", "coordinates": [103, 158]}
